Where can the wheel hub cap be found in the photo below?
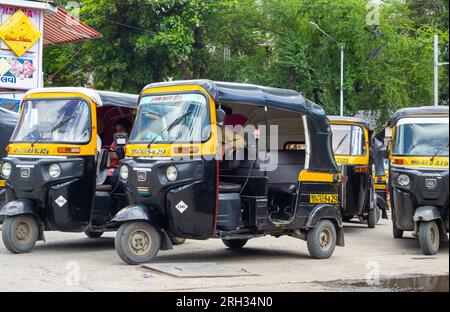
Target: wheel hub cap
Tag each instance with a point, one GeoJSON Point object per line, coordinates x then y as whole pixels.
{"type": "Point", "coordinates": [325, 239]}
{"type": "Point", "coordinates": [23, 232]}
{"type": "Point", "coordinates": [140, 242]}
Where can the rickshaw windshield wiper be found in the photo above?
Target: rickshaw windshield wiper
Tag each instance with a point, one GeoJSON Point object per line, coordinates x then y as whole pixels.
{"type": "Point", "coordinates": [340, 144]}
{"type": "Point", "coordinates": [52, 129]}
{"type": "Point", "coordinates": [175, 123]}
{"type": "Point", "coordinates": [439, 151]}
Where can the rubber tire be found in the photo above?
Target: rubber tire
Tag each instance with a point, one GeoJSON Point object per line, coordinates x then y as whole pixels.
{"type": "Point", "coordinates": [313, 240]}
{"type": "Point", "coordinates": [93, 234]}
{"type": "Point", "coordinates": [123, 237]}
{"type": "Point", "coordinates": [425, 242]}
{"type": "Point", "coordinates": [235, 243]}
{"type": "Point", "coordinates": [398, 234]}
{"type": "Point", "coordinates": [177, 241]}
{"type": "Point", "coordinates": [9, 238]}
{"type": "Point", "coordinates": [379, 214]}
{"type": "Point", "coordinates": [372, 219]}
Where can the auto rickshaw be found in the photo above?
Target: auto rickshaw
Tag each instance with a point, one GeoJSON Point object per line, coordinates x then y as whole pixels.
{"type": "Point", "coordinates": [178, 185]}
{"type": "Point", "coordinates": [8, 121]}
{"type": "Point", "coordinates": [352, 146]}
{"type": "Point", "coordinates": [60, 169]}
{"type": "Point", "coordinates": [419, 174]}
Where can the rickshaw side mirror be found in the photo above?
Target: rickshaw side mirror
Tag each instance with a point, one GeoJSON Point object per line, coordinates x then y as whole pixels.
{"type": "Point", "coordinates": [388, 132]}
{"type": "Point", "coordinates": [220, 115]}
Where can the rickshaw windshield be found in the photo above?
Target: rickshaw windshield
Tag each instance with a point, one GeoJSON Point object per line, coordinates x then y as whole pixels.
{"type": "Point", "coordinates": [57, 121]}
{"type": "Point", "coordinates": [348, 140]}
{"type": "Point", "coordinates": [422, 137]}
{"type": "Point", "coordinates": [181, 118]}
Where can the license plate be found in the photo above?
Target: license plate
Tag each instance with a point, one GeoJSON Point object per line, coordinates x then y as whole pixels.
{"type": "Point", "coordinates": [324, 198]}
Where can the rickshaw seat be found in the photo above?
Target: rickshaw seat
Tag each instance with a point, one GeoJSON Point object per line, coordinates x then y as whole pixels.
{"type": "Point", "coordinates": [283, 188]}
{"type": "Point", "coordinates": [104, 188]}
{"type": "Point", "coordinates": [227, 188]}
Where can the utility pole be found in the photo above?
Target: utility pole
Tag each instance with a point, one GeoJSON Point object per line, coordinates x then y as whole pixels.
{"type": "Point", "coordinates": [436, 70]}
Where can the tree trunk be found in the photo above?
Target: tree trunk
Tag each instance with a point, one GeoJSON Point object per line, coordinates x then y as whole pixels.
{"type": "Point", "coordinates": [185, 70]}
{"type": "Point", "coordinates": [292, 78]}
{"type": "Point", "coordinates": [198, 67]}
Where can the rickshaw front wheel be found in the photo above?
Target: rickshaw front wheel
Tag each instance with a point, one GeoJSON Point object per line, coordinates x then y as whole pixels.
{"type": "Point", "coordinates": [235, 243]}
{"type": "Point", "coordinates": [20, 233]}
{"type": "Point", "coordinates": [92, 234]}
{"type": "Point", "coordinates": [429, 238]}
{"type": "Point", "coordinates": [137, 242]}
{"type": "Point", "coordinates": [322, 240]}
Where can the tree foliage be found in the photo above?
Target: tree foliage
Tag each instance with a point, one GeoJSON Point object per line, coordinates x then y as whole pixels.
{"type": "Point", "coordinates": [269, 42]}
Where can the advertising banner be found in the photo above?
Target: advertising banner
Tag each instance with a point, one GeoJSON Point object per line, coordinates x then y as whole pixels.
{"type": "Point", "coordinates": [20, 48]}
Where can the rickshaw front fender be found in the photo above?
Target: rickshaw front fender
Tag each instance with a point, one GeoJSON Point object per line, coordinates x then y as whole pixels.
{"type": "Point", "coordinates": [427, 213]}
{"type": "Point", "coordinates": [382, 203]}
{"type": "Point", "coordinates": [327, 212]}
{"type": "Point", "coordinates": [144, 213]}
{"type": "Point", "coordinates": [23, 207]}
{"type": "Point", "coordinates": [19, 207]}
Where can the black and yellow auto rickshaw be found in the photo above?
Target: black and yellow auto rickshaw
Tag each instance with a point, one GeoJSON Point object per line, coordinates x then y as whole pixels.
{"type": "Point", "coordinates": [352, 146]}
{"type": "Point", "coordinates": [8, 121]}
{"type": "Point", "coordinates": [60, 169]}
{"type": "Point", "coordinates": [419, 174]}
{"type": "Point", "coordinates": [177, 185]}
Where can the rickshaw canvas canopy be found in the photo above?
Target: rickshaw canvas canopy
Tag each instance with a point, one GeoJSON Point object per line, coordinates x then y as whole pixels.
{"type": "Point", "coordinates": [418, 111]}
{"type": "Point", "coordinates": [100, 98]}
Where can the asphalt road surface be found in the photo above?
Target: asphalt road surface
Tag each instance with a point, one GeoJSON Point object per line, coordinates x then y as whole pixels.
{"type": "Point", "coordinates": [73, 262]}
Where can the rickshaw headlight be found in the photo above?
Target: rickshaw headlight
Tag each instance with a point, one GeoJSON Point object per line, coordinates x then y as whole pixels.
{"type": "Point", "coordinates": [54, 171]}
{"type": "Point", "coordinates": [6, 170]}
{"type": "Point", "coordinates": [404, 180]}
{"type": "Point", "coordinates": [172, 173]}
{"type": "Point", "coordinates": [124, 172]}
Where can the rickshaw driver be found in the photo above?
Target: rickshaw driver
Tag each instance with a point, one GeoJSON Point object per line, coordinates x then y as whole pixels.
{"type": "Point", "coordinates": [231, 141]}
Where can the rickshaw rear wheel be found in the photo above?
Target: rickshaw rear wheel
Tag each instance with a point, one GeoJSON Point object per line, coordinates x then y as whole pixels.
{"type": "Point", "coordinates": [177, 241]}
{"type": "Point", "coordinates": [235, 243]}
{"type": "Point", "coordinates": [379, 214]}
{"type": "Point", "coordinates": [429, 238]}
{"type": "Point", "coordinates": [92, 234]}
{"type": "Point", "coordinates": [137, 242]}
{"type": "Point", "coordinates": [20, 233]}
{"type": "Point", "coordinates": [322, 240]}
{"type": "Point", "coordinates": [372, 219]}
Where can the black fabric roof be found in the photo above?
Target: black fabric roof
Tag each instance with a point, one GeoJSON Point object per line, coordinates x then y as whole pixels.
{"type": "Point", "coordinates": [239, 93]}
{"type": "Point", "coordinates": [417, 111]}
{"type": "Point", "coordinates": [8, 118]}
{"type": "Point", "coordinates": [118, 99]}
{"type": "Point", "coordinates": [357, 120]}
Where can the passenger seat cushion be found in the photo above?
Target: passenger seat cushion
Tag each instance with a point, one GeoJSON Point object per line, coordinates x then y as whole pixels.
{"type": "Point", "coordinates": [227, 188]}
{"type": "Point", "coordinates": [283, 188]}
{"type": "Point", "coordinates": [104, 188]}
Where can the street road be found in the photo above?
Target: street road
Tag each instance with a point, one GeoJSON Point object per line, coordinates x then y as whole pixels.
{"type": "Point", "coordinates": [72, 262]}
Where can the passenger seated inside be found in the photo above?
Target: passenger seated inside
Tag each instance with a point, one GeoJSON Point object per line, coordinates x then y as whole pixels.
{"type": "Point", "coordinates": [231, 142]}
{"type": "Point", "coordinates": [107, 162]}
{"type": "Point", "coordinates": [287, 161]}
